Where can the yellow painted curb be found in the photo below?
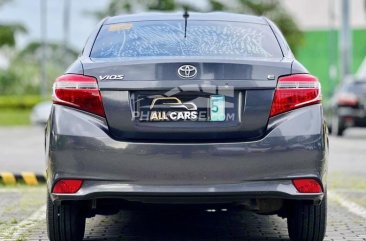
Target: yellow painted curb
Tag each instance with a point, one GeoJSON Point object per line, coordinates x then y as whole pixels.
{"type": "Point", "coordinates": [29, 178]}
{"type": "Point", "coordinates": [8, 178]}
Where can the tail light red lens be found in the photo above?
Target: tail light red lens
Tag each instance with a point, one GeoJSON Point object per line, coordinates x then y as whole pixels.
{"type": "Point", "coordinates": [67, 186]}
{"type": "Point", "coordinates": [347, 99]}
{"type": "Point", "coordinates": [295, 91]}
{"type": "Point", "coordinates": [307, 185]}
{"type": "Point", "coordinates": [80, 92]}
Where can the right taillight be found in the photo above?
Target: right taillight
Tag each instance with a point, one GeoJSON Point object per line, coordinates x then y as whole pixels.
{"type": "Point", "coordinates": [295, 91]}
{"type": "Point", "coordinates": [347, 99]}
{"type": "Point", "coordinates": [78, 91]}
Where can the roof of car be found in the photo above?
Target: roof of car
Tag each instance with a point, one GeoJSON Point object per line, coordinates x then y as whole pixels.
{"type": "Point", "coordinates": [213, 16]}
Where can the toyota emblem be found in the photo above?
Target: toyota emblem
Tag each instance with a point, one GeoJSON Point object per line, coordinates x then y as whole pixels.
{"type": "Point", "coordinates": [187, 71]}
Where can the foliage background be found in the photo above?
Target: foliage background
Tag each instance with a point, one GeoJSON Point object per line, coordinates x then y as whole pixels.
{"type": "Point", "coordinates": [22, 77]}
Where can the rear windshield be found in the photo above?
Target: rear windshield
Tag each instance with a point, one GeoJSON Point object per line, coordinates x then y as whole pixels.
{"type": "Point", "coordinates": [203, 39]}
{"type": "Point", "coordinates": [355, 87]}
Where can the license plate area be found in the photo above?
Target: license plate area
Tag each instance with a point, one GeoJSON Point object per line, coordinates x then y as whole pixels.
{"type": "Point", "coordinates": [183, 107]}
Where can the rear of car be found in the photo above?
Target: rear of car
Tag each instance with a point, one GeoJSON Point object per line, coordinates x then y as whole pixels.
{"type": "Point", "coordinates": [210, 111]}
{"type": "Point", "coordinates": [348, 106]}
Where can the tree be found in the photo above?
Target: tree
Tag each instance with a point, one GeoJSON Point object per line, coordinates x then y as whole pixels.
{"type": "Point", "coordinates": [8, 79]}
{"type": "Point", "coordinates": [7, 31]}
{"type": "Point", "coordinates": [7, 34]}
{"type": "Point", "coordinates": [270, 8]}
{"type": "Point", "coordinates": [116, 7]}
{"type": "Point", "coordinates": [26, 81]}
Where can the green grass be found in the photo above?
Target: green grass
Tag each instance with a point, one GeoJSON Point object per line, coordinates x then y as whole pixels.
{"type": "Point", "coordinates": [14, 117]}
{"type": "Point", "coordinates": [13, 221]}
{"type": "Point", "coordinates": [19, 202]}
{"type": "Point", "coordinates": [341, 181]}
{"type": "Point", "coordinates": [21, 186]}
{"type": "Point", "coordinates": [19, 101]}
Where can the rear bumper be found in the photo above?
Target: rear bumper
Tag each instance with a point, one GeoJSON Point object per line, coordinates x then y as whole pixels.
{"type": "Point", "coordinates": [193, 194]}
{"type": "Point", "coordinates": [79, 147]}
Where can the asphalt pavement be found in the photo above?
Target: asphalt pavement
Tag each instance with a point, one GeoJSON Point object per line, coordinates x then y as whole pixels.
{"type": "Point", "coordinates": [22, 210]}
{"type": "Point", "coordinates": [22, 149]}
{"type": "Point", "coordinates": [348, 153]}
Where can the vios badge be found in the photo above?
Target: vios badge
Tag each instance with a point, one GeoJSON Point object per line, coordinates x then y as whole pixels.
{"type": "Point", "coordinates": [187, 71]}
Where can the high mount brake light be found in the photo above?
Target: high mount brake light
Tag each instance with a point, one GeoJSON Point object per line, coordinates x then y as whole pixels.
{"type": "Point", "coordinates": [80, 92]}
{"type": "Point", "coordinates": [295, 91]}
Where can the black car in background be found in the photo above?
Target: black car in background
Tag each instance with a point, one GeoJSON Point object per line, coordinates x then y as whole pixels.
{"type": "Point", "coordinates": [348, 106]}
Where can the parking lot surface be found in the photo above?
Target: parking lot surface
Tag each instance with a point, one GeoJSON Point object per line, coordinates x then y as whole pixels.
{"type": "Point", "coordinates": [22, 149]}
{"type": "Point", "coordinates": [343, 224]}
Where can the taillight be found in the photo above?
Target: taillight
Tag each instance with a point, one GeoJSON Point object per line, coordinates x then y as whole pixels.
{"type": "Point", "coordinates": [307, 185]}
{"type": "Point", "coordinates": [347, 99]}
{"type": "Point", "coordinates": [67, 186]}
{"type": "Point", "coordinates": [295, 91]}
{"type": "Point", "coordinates": [80, 92]}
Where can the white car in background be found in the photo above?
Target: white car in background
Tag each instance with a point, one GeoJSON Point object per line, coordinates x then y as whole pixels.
{"type": "Point", "coordinates": [40, 113]}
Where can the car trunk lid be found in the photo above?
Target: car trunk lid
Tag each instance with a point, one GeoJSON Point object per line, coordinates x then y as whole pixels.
{"type": "Point", "coordinates": [140, 98]}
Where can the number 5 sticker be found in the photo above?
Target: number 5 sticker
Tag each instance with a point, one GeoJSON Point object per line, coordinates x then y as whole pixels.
{"type": "Point", "coordinates": [217, 108]}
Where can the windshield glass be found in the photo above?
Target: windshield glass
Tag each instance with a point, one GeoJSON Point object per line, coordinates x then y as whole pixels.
{"type": "Point", "coordinates": [355, 87]}
{"type": "Point", "coordinates": [204, 39]}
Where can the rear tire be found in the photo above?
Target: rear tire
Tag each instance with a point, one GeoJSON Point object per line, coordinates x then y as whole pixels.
{"type": "Point", "coordinates": [65, 222]}
{"type": "Point", "coordinates": [307, 222]}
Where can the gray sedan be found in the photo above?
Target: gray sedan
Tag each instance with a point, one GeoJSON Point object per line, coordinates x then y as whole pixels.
{"type": "Point", "coordinates": [194, 110]}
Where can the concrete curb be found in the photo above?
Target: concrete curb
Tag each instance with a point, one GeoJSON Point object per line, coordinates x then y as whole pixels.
{"type": "Point", "coordinates": [28, 178]}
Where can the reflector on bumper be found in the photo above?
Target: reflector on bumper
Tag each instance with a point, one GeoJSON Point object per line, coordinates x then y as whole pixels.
{"type": "Point", "coordinates": [307, 185]}
{"type": "Point", "coordinates": [67, 186]}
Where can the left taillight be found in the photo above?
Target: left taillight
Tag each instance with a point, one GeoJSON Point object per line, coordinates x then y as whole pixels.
{"type": "Point", "coordinates": [80, 92]}
{"type": "Point", "coordinates": [295, 91]}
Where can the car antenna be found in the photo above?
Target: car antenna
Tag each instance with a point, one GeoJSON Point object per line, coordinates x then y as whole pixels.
{"type": "Point", "coordinates": [185, 16]}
